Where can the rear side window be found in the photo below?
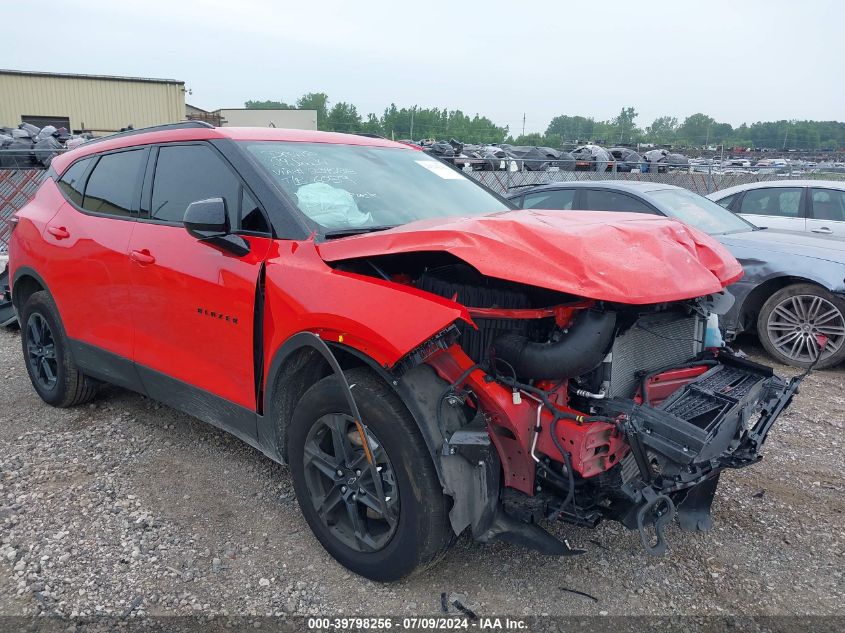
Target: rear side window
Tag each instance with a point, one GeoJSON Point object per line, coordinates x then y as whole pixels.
{"type": "Point", "coordinates": [187, 173]}
{"type": "Point", "coordinates": [597, 200]}
{"type": "Point", "coordinates": [829, 204]}
{"type": "Point", "coordinates": [113, 184]}
{"type": "Point", "coordinates": [784, 202]}
{"type": "Point", "coordinates": [71, 184]}
{"type": "Point", "coordinates": [558, 199]}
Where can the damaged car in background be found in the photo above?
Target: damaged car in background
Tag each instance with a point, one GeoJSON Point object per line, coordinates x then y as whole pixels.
{"type": "Point", "coordinates": [426, 358]}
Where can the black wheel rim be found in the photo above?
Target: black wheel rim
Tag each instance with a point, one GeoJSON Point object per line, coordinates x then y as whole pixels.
{"type": "Point", "coordinates": [41, 352]}
{"type": "Point", "coordinates": [342, 488]}
{"type": "Point", "coordinates": [795, 322]}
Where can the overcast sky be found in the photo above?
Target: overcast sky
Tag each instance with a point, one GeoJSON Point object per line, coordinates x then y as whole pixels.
{"type": "Point", "coordinates": [736, 61]}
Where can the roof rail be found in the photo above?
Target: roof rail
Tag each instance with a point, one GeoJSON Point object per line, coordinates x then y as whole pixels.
{"type": "Point", "coordinates": [153, 128]}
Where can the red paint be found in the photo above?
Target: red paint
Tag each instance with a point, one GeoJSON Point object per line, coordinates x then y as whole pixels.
{"type": "Point", "coordinates": [562, 314]}
{"type": "Point", "coordinates": [622, 257]}
{"type": "Point", "coordinates": [663, 385]}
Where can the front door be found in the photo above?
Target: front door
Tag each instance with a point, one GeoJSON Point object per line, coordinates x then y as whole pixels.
{"type": "Point", "coordinates": [193, 303]}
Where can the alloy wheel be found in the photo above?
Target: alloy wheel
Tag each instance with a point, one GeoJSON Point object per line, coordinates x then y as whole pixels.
{"type": "Point", "coordinates": [41, 352]}
{"type": "Point", "coordinates": [794, 324]}
{"type": "Point", "coordinates": [342, 485]}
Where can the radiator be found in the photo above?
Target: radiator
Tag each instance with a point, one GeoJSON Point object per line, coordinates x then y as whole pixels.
{"type": "Point", "coordinates": [653, 342]}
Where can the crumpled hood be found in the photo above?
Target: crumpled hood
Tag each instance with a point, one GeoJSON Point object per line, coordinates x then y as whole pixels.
{"type": "Point", "coordinates": [825, 247]}
{"type": "Point", "coordinates": [621, 257]}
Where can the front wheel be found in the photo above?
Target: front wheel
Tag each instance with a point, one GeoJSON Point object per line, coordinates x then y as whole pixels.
{"type": "Point", "coordinates": [383, 522]}
{"type": "Point", "coordinates": [791, 321]}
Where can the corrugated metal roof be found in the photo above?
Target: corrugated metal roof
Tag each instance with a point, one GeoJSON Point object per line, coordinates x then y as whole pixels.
{"type": "Point", "coordinates": [36, 73]}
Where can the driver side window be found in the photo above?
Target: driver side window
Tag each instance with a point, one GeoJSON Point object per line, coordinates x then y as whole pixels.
{"type": "Point", "coordinates": [187, 173]}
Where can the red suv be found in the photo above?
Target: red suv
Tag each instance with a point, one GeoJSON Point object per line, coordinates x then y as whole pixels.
{"type": "Point", "coordinates": [426, 358]}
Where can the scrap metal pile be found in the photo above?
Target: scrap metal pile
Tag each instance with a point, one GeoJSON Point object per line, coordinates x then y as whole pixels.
{"type": "Point", "coordinates": [30, 147]}
{"type": "Point", "coordinates": [506, 157]}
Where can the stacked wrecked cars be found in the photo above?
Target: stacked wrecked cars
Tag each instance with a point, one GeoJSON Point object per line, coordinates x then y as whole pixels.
{"type": "Point", "coordinates": [427, 359]}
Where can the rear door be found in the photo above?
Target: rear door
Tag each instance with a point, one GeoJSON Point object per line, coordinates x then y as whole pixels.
{"type": "Point", "coordinates": [194, 304]}
{"type": "Point", "coordinates": [85, 254]}
{"type": "Point", "coordinates": [774, 207]}
{"type": "Point", "coordinates": [826, 214]}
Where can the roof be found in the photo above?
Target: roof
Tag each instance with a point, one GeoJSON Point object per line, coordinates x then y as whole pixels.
{"type": "Point", "coordinates": [832, 184]}
{"type": "Point", "coordinates": [633, 186]}
{"type": "Point", "coordinates": [35, 73]}
{"type": "Point", "coordinates": [202, 133]}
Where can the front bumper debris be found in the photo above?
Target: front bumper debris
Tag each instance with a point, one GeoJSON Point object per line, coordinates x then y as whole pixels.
{"type": "Point", "coordinates": [720, 420]}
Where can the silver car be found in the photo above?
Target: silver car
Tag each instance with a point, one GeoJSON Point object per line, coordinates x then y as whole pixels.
{"type": "Point", "coordinates": [817, 206]}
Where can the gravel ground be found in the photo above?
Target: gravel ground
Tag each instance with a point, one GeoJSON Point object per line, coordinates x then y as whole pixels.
{"type": "Point", "coordinates": [126, 507]}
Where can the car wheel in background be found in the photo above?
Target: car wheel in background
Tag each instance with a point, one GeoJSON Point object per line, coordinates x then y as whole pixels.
{"type": "Point", "coordinates": [51, 369]}
{"type": "Point", "coordinates": [791, 320]}
{"type": "Point", "coordinates": [337, 490]}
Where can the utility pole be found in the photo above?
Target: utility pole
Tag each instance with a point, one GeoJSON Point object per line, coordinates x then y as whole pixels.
{"type": "Point", "coordinates": [412, 122]}
{"type": "Point", "coordinates": [523, 123]}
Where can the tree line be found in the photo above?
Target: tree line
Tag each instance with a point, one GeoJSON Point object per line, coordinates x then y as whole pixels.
{"type": "Point", "coordinates": [697, 130]}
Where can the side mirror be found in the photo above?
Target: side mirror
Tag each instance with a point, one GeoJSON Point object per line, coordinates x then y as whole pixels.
{"type": "Point", "coordinates": [208, 221]}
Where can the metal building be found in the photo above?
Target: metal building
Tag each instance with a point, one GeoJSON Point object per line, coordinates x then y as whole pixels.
{"type": "Point", "coordinates": [95, 103]}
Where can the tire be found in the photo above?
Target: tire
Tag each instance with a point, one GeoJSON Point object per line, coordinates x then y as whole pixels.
{"type": "Point", "coordinates": [421, 533]}
{"type": "Point", "coordinates": [49, 364]}
{"type": "Point", "coordinates": [790, 319]}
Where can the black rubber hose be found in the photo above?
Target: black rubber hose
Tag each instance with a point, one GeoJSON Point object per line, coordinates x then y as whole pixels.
{"type": "Point", "coordinates": [580, 350]}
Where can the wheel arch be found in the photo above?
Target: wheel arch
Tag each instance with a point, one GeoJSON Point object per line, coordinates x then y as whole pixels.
{"type": "Point", "coordinates": [296, 366]}
{"type": "Point", "coordinates": [753, 302]}
{"type": "Point", "coordinates": [26, 282]}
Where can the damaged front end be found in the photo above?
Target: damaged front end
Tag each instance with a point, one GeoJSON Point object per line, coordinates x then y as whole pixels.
{"type": "Point", "coordinates": [549, 406]}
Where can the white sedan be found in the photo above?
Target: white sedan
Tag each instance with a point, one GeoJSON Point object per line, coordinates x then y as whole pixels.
{"type": "Point", "coordinates": [795, 205]}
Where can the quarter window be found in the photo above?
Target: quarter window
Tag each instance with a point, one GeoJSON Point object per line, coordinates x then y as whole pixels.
{"type": "Point", "coordinates": [784, 202]}
{"type": "Point", "coordinates": [727, 200]}
{"type": "Point", "coordinates": [113, 184]}
{"type": "Point", "coordinates": [557, 199]}
{"type": "Point", "coordinates": [829, 204]}
{"type": "Point", "coordinates": [187, 173]}
{"type": "Point", "coordinates": [71, 184]}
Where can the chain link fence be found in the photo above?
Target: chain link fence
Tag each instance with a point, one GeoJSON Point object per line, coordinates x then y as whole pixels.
{"type": "Point", "coordinates": [17, 186]}
{"type": "Point", "coordinates": [20, 176]}
{"type": "Point", "coordinates": [509, 175]}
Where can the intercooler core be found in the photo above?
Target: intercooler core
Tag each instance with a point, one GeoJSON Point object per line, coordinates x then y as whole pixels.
{"type": "Point", "coordinates": [653, 342]}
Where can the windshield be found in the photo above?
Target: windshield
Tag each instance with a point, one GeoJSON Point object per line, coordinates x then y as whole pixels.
{"type": "Point", "coordinates": [697, 211]}
{"type": "Point", "coordinates": [354, 188]}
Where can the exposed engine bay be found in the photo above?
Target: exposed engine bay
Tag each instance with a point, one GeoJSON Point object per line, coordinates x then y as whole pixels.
{"type": "Point", "coordinates": [582, 410]}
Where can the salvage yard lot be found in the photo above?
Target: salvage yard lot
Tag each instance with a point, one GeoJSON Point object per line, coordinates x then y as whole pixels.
{"type": "Point", "coordinates": [127, 507]}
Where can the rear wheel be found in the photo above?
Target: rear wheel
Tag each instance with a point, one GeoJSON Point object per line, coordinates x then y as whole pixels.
{"type": "Point", "coordinates": [383, 523]}
{"type": "Point", "coordinates": [791, 321]}
{"type": "Point", "coordinates": [51, 369]}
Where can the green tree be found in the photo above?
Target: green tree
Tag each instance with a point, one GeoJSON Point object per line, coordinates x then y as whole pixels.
{"type": "Point", "coordinates": [626, 130]}
{"type": "Point", "coordinates": [318, 101]}
{"type": "Point", "coordinates": [567, 128]}
{"type": "Point", "coordinates": [343, 117]}
{"type": "Point", "coordinates": [663, 129]}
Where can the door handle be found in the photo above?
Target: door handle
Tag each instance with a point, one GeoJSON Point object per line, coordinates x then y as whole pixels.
{"type": "Point", "coordinates": [59, 232]}
{"type": "Point", "coordinates": [142, 257]}
{"type": "Point", "coordinates": [823, 229]}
